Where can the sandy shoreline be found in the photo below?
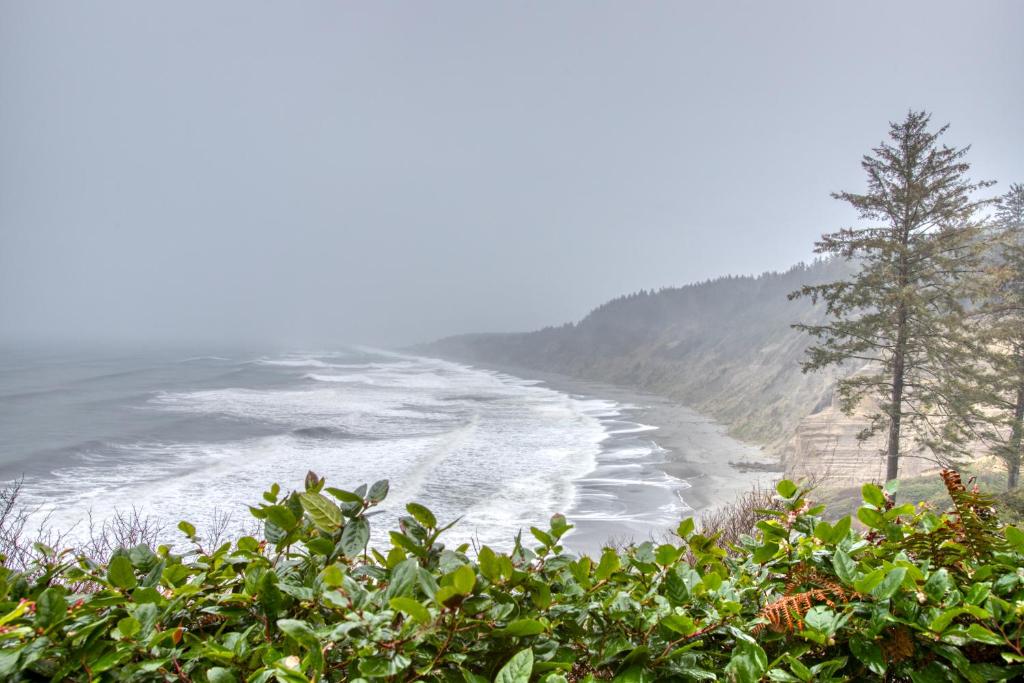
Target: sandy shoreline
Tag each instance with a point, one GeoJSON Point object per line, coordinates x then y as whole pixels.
{"type": "Point", "coordinates": [692, 448]}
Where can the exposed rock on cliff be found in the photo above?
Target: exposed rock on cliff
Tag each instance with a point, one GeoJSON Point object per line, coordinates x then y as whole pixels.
{"type": "Point", "coordinates": [825, 446]}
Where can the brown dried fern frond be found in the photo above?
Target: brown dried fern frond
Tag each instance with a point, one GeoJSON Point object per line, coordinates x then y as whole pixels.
{"type": "Point", "coordinates": [804, 575]}
{"type": "Point", "coordinates": [787, 613]}
{"type": "Point", "coordinates": [954, 484]}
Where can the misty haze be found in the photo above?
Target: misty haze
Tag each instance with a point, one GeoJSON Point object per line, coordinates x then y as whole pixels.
{"type": "Point", "coordinates": [511, 341]}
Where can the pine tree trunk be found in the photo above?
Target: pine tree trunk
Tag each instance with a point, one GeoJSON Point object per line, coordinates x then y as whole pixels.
{"type": "Point", "coordinates": [1017, 431]}
{"type": "Point", "coordinates": [1013, 473]}
{"type": "Point", "coordinates": [892, 461]}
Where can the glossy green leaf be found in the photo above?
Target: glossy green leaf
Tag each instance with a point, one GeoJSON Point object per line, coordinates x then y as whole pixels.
{"type": "Point", "coordinates": [679, 623]}
{"type": "Point", "coordinates": [219, 674]}
{"type": "Point", "coordinates": [128, 627]}
{"type": "Point", "coordinates": [355, 536]}
{"type": "Point", "coordinates": [378, 492]}
{"type": "Point", "coordinates": [1015, 536]}
{"type": "Point", "coordinates": [685, 528]}
{"type": "Point", "coordinates": [888, 586]}
{"type": "Point", "coordinates": [414, 609]}
{"type": "Point", "coordinates": [748, 662]}
{"type": "Point", "coordinates": [344, 496]}
{"type": "Point", "coordinates": [281, 516]}
{"type": "Point", "coordinates": [786, 488]}
{"type": "Point", "coordinates": [868, 583]}
{"type": "Point", "coordinates": [51, 606]}
{"type": "Point", "coordinates": [607, 566]}
{"type": "Point", "coordinates": [517, 669]}
{"type": "Point", "coordinates": [764, 553]}
{"type": "Point", "coordinates": [300, 631]}
{"type": "Point", "coordinates": [324, 513]}
{"type": "Point", "coordinates": [983, 635]}
{"type": "Point", "coordinates": [841, 529]}
{"type": "Point", "coordinates": [542, 536]}
{"type": "Point", "coordinates": [873, 495]}
{"type": "Point", "coordinates": [422, 515]}
{"type": "Point", "coordinates": [845, 568]}
{"type": "Point", "coordinates": [464, 579]}
{"type": "Point", "coordinates": [871, 518]}
{"type": "Point", "coordinates": [488, 562]}
{"type": "Point", "coordinates": [121, 574]}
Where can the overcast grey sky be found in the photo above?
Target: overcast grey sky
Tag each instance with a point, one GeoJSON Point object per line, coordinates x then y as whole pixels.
{"type": "Point", "coordinates": [317, 172]}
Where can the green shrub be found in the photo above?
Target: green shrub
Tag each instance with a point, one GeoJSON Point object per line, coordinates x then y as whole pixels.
{"type": "Point", "coordinates": [912, 596]}
{"type": "Point", "coordinates": [1010, 506]}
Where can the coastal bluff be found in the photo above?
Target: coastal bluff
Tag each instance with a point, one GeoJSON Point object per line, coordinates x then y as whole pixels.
{"type": "Point", "coordinates": [724, 347]}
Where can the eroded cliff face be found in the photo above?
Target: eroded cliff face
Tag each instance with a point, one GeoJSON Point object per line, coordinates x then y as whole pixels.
{"type": "Point", "coordinates": [825, 447]}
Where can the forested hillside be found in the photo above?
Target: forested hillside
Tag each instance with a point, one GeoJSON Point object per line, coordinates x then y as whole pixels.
{"type": "Point", "coordinates": [724, 346]}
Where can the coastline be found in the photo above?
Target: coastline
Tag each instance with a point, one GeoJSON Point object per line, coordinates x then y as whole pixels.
{"type": "Point", "coordinates": [711, 468]}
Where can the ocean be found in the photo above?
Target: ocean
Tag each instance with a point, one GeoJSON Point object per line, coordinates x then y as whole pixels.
{"type": "Point", "coordinates": [198, 437]}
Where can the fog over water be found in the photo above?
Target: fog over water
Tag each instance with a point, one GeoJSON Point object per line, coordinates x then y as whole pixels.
{"type": "Point", "coordinates": [328, 172]}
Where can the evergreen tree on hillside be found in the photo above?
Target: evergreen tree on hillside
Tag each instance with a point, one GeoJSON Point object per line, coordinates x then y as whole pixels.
{"type": "Point", "coordinates": [1001, 333]}
{"type": "Point", "coordinates": [898, 319]}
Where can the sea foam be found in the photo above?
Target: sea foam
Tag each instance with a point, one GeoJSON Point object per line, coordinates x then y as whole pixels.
{"type": "Point", "coordinates": [499, 453]}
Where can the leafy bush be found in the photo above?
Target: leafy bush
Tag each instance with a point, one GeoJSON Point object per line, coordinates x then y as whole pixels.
{"type": "Point", "coordinates": [910, 596]}
{"type": "Point", "coordinates": [1010, 506]}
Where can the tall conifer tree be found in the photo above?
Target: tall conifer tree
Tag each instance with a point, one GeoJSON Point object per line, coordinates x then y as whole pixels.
{"type": "Point", "coordinates": [1001, 312]}
{"type": "Point", "coordinates": [897, 321]}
